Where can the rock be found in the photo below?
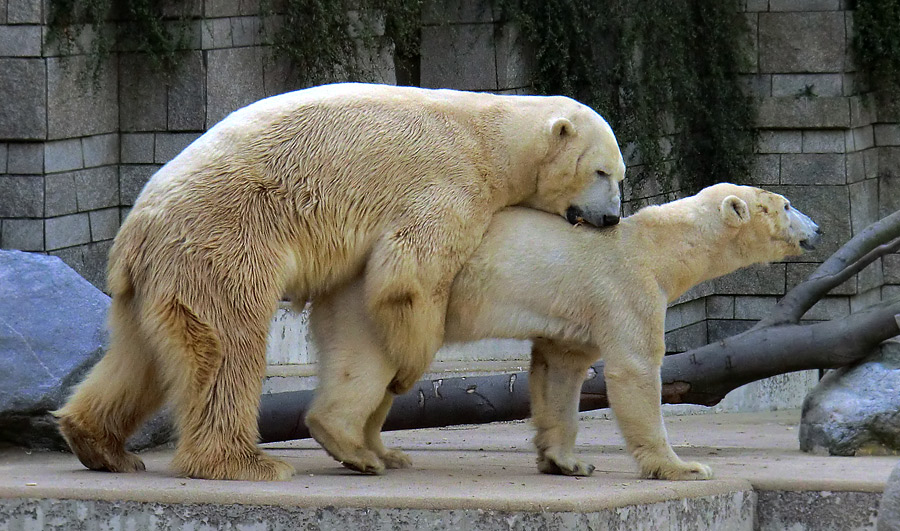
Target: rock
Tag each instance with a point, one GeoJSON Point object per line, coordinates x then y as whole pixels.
{"type": "Point", "coordinates": [889, 508]}
{"type": "Point", "coordinates": [853, 410]}
{"type": "Point", "coordinates": [52, 331]}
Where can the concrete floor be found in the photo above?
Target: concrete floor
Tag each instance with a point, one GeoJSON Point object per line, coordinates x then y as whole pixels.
{"type": "Point", "coordinates": [485, 468]}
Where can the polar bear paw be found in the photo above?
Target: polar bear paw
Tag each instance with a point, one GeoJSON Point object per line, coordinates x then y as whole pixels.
{"type": "Point", "coordinates": [679, 471]}
{"type": "Point", "coordinates": [568, 466]}
{"type": "Point", "coordinates": [394, 458]}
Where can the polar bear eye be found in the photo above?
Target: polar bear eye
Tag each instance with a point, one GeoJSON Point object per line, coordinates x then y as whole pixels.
{"type": "Point", "coordinates": [787, 206]}
{"type": "Point", "coordinates": [601, 173]}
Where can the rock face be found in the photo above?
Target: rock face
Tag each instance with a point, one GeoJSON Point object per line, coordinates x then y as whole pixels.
{"type": "Point", "coordinates": [854, 410]}
{"type": "Point", "coordinates": [889, 508]}
{"type": "Point", "coordinates": [52, 331]}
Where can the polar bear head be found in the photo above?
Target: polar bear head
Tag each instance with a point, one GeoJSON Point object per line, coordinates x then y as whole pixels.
{"type": "Point", "coordinates": [763, 225]}
{"type": "Point", "coordinates": [582, 154]}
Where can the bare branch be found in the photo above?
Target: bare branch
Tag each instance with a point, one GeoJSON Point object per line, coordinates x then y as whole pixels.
{"type": "Point", "coordinates": [856, 254]}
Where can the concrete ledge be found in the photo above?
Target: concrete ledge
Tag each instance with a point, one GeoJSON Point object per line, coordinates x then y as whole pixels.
{"type": "Point", "coordinates": [473, 477]}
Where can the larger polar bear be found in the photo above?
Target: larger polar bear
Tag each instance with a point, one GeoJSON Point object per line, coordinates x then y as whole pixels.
{"type": "Point", "coordinates": [293, 195]}
{"type": "Point", "coordinates": [582, 294]}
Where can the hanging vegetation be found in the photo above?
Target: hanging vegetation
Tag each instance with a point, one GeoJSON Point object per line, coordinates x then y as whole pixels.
{"type": "Point", "coordinates": [665, 75]}
{"type": "Point", "coordinates": [876, 46]}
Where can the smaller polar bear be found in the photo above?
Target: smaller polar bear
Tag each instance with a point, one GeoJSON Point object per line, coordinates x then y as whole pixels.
{"type": "Point", "coordinates": [582, 294]}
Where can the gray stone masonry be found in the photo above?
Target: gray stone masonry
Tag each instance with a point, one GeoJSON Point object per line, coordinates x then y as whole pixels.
{"type": "Point", "coordinates": [21, 196]}
{"type": "Point", "coordinates": [22, 234]}
{"type": "Point", "coordinates": [66, 231]}
{"type": "Point", "coordinates": [23, 108]}
{"type": "Point", "coordinates": [24, 11]}
{"type": "Point", "coordinates": [96, 188]}
{"type": "Point", "coordinates": [95, 104]}
{"type": "Point", "coordinates": [234, 79]}
{"type": "Point", "coordinates": [63, 155]}
{"type": "Point", "coordinates": [104, 224]}
{"type": "Point", "coordinates": [469, 60]}
{"type": "Point", "coordinates": [137, 148]}
{"type": "Point", "coordinates": [26, 158]}
{"type": "Point", "coordinates": [20, 41]}
{"type": "Point", "coordinates": [802, 42]}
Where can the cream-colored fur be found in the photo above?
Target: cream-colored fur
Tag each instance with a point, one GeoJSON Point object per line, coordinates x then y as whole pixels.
{"type": "Point", "coordinates": [582, 294]}
{"type": "Point", "coordinates": [294, 195]}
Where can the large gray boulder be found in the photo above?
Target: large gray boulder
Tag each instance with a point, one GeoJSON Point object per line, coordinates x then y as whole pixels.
{"type": "Point", "coordinates": [52, 331]}
{"type": "Point", "coordinates": [855, 410]}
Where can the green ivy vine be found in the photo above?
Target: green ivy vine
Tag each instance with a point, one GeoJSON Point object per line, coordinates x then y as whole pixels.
{"type": "Point", "coordinates": [876, 46]}
{"type": "Point", "coordinates": [664, 74]}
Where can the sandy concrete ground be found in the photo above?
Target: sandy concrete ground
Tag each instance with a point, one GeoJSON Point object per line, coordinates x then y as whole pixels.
{"type": "Point", "coordinates": [480, 467]}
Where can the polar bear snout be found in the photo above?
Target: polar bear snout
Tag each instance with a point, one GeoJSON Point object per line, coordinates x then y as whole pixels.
{"type": "Point", "coordinates": [599, 205]}
{"type": "Point", "coordinates": [806, 230]}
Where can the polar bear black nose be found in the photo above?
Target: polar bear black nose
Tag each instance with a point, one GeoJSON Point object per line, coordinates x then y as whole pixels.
{"type": "Point", "coordinates": [610, 220]}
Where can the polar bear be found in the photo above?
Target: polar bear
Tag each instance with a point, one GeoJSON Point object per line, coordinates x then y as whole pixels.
{"type": "Point", "coordinates": [581, 294]}
{"type": "Point", "coordinates": [291, 196]}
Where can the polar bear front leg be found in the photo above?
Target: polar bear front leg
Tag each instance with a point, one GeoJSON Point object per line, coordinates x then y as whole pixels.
{"type": "Point", "coordinates": [392, 457]}
{"type": "Point", "coordinates": [634, 388]}
{"type": "Point", "coordinates": [555, 379]}
{"type": "Point", "coordinates": [407, 285]}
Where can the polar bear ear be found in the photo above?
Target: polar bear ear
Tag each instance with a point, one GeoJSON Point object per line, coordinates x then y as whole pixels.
{"type": "Point", "coordinates": [560, 127]}
{"type": "Point", "coordinates": [734, 211]}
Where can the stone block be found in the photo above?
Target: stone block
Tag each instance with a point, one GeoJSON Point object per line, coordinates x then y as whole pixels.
{"type": "Point", "coordinates": [862, 111]}
{"type": "Point", "coordinates": [143, 101]}
{"type": "Point", "coordinates": [775, 141]}
{"type": "Point", "coordinates": [245, 31]}
{"type": "Point", "coordinates": [63, 155]}
{"type": "Point", "coordinates": [863, 204]}
{"type": "Point", "coordinates": [720, 307]}
{"type": "Point", "coordinates": [187, 95]}
{"type": "Point", "coordinates": [515, 67]}
{"type": "Point", "coordinates": [801, 42]}
{"type": "Point", "coordinates": [459, 57]}
{"type": "Point", "coordinates": [766, 170]}
{"type": "Point", "coordinates": [137, 148]}
{"type": "Point", "coordinates": [719, 329]}
{"type": "Point", "coordinates": [856, 167]}
{"type": "Point", "coordinates": [445, 12]}
{"type": "Point", "coordinates": [21, 196]}
{"type": "Point", "coordinates": [804, 5]}
{"type": "Point", "coordinates": [800, 271]}
{"type": "Point", "coordinates": [100, 150]}
{"type": "Point", "coordinates": [813, 168]}
{"type": "Point", "coordinates": [169, 145]}
{"type": "Point", "coordinates": [827, 206]}
{"type": "Point", "coordinates": [23, 107]}
{"type": "Point", "coordinates": [234, 80]}
{"type": "Point", "coordinates": [864, 300]}
{"type": "Point", "coordinates": [77, 106]}
{"type": "Point", "coordinates": [4, 157]}
{"type": "Point", "coordinates": [799, 85]}
{"type": "Point", "coordinates": [222, 8]}
{"type": "Point", "coordinates": [756, 5]}
{"type": "Point", "coordinates": [20, 41]}
{"type": "Point", "coordinates": [684, 314]}
{"type": "Point", "coordinates": [890, 292]}
{"type": "Point", "coordinates": [828, 141]}
{"type": "Point", "coordinates": [216, 33]}
{"type": "Point", "coordinates": [97, 188]}
{"type": "Point", "coordinates": [686, 338]}
{"type": "Point", "coordinates": [755, 308]}
{"type": "Point", "coordinates": [751, 65]}
{"type": "Point", "coordinates": [889, 193]}
{"type": "Point", "coordinates": [890, 266]}
{"type": "Point", "coordinates": [22, 234]}
{"type": "Point", "coordinates": [104, 224]}
{"type": "Point", "coordinates": [24, 12]}
{"type": "Point", "coordinates": [26, 158]}
{"type": "Point", "coordinates": [803, 113]}
{"type": "Point", "coordinates": [60, 198]}
{"type": "Point", "coordinates": [67, 231]}
{"type": "Point", "coordinates": [872, 277]}
{"type": "Point", "coordinates": [132, 179]}
{"type": "Point", "coordinates": [94, 258]}
{"type": "Point", "coordinates": [863, 137]}
{"type": "Point", "coordinates": [767, 279]}
{"type": "Point", "coordinates": [887, 134]}
{"type": "Point", "coordinates": [757, 85]}
{"type": "Point", "coordinates": [870, 161]}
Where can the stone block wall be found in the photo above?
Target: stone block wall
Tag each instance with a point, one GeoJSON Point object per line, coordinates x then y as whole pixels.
{"type": "Point", "coordinates": [825, 145]}
{"type": "Point", "coordinates": [75, 155]}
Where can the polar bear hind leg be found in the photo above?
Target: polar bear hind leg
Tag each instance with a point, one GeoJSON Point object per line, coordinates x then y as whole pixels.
{"type": "Point", "coordinates": [555, 379]}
